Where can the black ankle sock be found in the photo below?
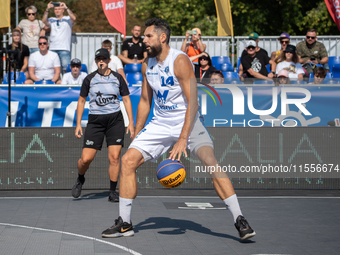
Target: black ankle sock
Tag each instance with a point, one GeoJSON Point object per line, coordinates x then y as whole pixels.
{"type": "Point", "coordinates": [81, 178]}
{"type": "Point", "coordinates": [113, 185]}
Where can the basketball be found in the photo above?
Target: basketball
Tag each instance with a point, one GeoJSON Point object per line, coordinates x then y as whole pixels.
{"type": "Point", "coordinates": [171, 173]}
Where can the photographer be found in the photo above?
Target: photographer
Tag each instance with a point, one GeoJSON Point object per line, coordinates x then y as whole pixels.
{"type": "Point", "coordinates": [195, 47]}
{"type": "Point", "coordinates": [61, 30]}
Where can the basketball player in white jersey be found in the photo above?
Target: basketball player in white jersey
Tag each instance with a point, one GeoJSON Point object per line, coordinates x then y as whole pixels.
{"type": "Point", "coordinates": [168, 79]}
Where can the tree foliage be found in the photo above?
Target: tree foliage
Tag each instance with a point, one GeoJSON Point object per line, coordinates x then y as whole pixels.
{"type": "Point", "coordinates": [181, 15]}
{"type": "Point", "coordinates": [266, 17]}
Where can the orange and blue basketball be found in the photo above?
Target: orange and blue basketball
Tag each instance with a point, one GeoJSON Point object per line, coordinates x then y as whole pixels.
{"type": "Point", "coordinates": [171, 173]}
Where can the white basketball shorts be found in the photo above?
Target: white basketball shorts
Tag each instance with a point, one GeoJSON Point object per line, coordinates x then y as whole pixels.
{"type": "Point", "coordinates": [156, 138]}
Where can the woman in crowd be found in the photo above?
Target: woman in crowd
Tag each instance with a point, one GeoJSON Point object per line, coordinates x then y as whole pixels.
{"type": "Point", "coordinates": [290, 63]}
{"type": "Point", "coordinates": [22, 53]}
{"type": "Point", "coordinates": [31, 29]}
{"type": "Point", "coordinates": [204, 67]}
{"type": "Point", "coordinates": [195, 47]}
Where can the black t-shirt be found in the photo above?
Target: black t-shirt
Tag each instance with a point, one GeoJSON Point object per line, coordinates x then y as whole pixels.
{"type": "Point", "coordinates": [134, 48]}
{"type": "Point", "coordinates": [205, 73]}
{"type": "Point", "coordinates": [19, 57]}
{"type": "Point", "coordinates": [257, 63]}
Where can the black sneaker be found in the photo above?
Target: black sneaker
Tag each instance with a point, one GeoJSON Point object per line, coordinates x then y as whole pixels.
{"type": "Point", "coordinates": [120, 228]}
{"type": "Point", "coordinates": [76, 189]}
{"type": "Point", "coordinates": [243, 228]}
{"type": "Point", "coordinates": [113, 196]}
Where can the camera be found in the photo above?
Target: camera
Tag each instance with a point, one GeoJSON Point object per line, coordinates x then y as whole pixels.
{"type": "Point", "coordinates": [192, 32]}
{"type": "Point", "coordinates": [56, 4]}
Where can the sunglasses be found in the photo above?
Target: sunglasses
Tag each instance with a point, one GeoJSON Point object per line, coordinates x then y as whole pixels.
{"type": "Point", "coordinates": [204, 58]}
{"type": "Point", "coordinates": [73, 66]}
{"type": "Point", "coordinates": [310, 37]}
{"type": "Point", "coordinates": [250, 47]}
{"type": "Point", "coordinates": [284, 42]}
{"type": "Point", "coordinates": [29, 14]}
{"type": "Point", "coordinates": [42, 43]}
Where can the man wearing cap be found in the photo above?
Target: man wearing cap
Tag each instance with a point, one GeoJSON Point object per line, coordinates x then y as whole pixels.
{"type": "Point", "coordinates": [254, 63]}
{"type": "Point", "coordinates": [311, 51]}
{"type": "Point", "coordinates": [75, 76]}
{"type": "Point", "coordinates": [104, 87]}
{"type": "Point", "coordinates": [255, 37]}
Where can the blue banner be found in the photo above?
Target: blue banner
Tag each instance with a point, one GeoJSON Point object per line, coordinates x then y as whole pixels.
{"type": "Point", "coordinates": [227, 106]}
{"type": "Point", "coordinates": [49, 106]}
{"type": "Point", "coordinates": [241, 106]}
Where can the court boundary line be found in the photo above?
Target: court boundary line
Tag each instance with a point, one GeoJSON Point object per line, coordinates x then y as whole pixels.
{"type": "Point", "coordinates": [73, 234]}
{"type": "Point", "coordinates": [186, 197]}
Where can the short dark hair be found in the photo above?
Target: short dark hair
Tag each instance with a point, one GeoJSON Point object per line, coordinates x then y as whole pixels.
{"type": "Point", "coordinates": [311, 30]}
{"type": "Point", "coordinates": [106, 43]}
{"type": "Point", "coordinates": [43, 37]}
{"type": "Point", "coordinates": [320, 71]}
{"type": "Point", "coordinates": [218, 72]}
{"type": "Point", "coordinates": [161, 26]}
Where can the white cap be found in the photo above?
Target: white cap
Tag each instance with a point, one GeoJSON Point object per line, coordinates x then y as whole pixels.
{"type": "Point", "coordinates": [251, 43]}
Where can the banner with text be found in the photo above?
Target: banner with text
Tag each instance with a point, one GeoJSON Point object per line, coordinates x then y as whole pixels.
{"type": "Point", "coordinates": [333, 7]}
{"type": "Point", "coordinates": [115, 12]}
{"type": "Point", "coordinates": [239, 106]}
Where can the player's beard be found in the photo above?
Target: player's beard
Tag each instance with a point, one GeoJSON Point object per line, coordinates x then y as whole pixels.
{"type": "Point", "coordinates": [154, 50]}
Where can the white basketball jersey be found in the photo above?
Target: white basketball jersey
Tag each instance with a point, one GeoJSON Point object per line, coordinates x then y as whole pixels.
{"type": "Point", "coordinates": [170, 104]}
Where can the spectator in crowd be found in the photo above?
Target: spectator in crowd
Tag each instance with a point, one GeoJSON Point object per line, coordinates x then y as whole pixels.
{"type": "Point", "coordinates": [204, 67]}
{"type": "Point", "coordinates": [275, 56]}
{"type": "Point", "coordinates": [195, 47]}
{"type": "Point", "coordinates": [43, 64]}
{"type": "Point", "coordinates": [61, 31]}
{"type": "Point", "coordinates": [31, 29]}
{"type": "Point", "coordinates": [290, 62]}
{"type": "Point", "coordinates": [217, 77]}
{"type": "Point", "coordinates": [254, 64]}
{"type": "Point", "coordinates": [255, 37]}
{"type": "Point", "coordinates": [22, 52]}
{"type": "Point", "coordinates": [134, 49]}
{"type": "Point", "coordinates": [319, 74]}
{"type": "Point", "coordinates": [75, 76]}
{"type": "Point", "coordinates": [283, 77]}
{"type": "Point", "coordinates": [115, 63]}
{"type": "Point", "coordinates": [312, 52]}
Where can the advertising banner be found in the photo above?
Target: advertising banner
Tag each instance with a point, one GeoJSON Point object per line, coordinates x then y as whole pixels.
{"type": "Point", "coordinates": [241, 106]}
{"type": "Point", "coordinates": [226, 106]}
{"type": "Point", "coordinates": [333, 7]}
{"type": "Point", "coordinates": [115, 12]}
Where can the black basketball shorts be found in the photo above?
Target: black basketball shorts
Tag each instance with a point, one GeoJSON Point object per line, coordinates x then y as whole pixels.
{"type": "Point", "coordinates": [109, 125]}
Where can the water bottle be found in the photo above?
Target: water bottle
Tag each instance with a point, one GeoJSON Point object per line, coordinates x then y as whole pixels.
{"type": "Point", "coordinates": [43, 82]}
{"type": "Point", "coordinates": [135, 58]}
